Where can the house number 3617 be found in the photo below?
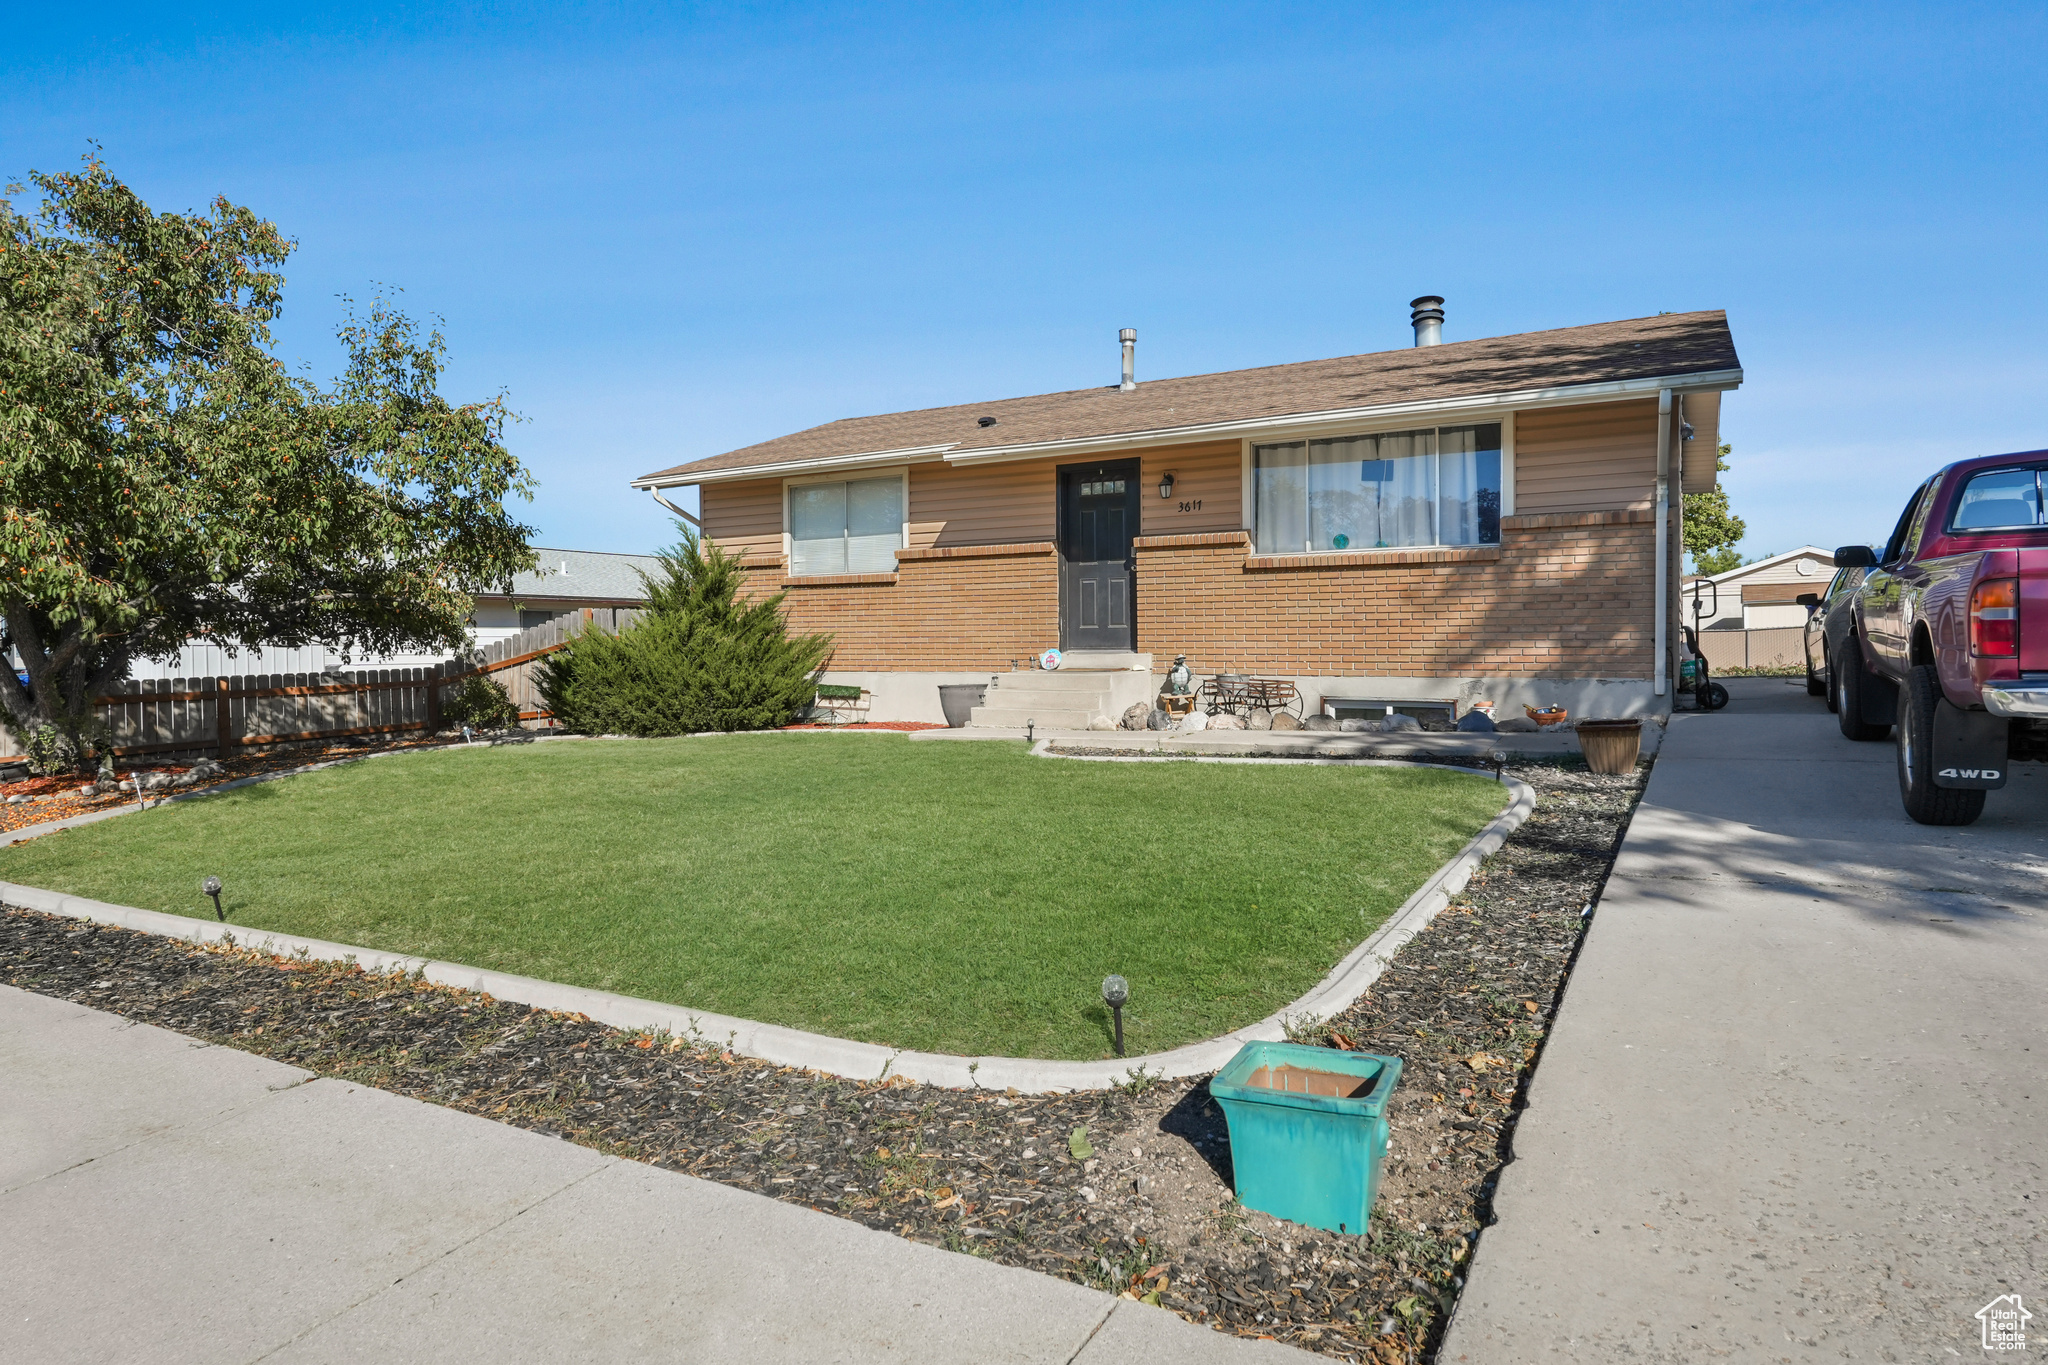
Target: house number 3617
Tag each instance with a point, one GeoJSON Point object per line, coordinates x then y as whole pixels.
{"type": "Point", "coordinates": [1194, 506]}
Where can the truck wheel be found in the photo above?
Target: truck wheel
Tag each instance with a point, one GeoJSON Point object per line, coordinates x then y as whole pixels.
{"type": "Point", "coordinates": [1827, 673]}
{"type": "Point", "coordinates": [1925, 802]}
{"type": "Point", "coordinates": [1816, 683]}
{"type": "Point", "coordinates": [1849, 695]}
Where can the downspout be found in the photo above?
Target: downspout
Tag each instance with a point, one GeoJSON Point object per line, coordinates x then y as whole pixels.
{"type": "Point", "coordinates": [1663, 630]}
{"type": "Point", "coordinates": [655, 493]}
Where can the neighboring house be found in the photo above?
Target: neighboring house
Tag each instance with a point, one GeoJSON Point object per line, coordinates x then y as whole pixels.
{"type": "Point", "coordinates": [563, 581]}
{"type": "Point", "coordinates": [1464, 521]}
{"type": "Point", "coordinates": [1761, 596]}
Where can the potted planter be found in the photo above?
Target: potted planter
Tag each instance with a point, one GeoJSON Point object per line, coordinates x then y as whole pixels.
{"type": "Point", "coordinates": [1611, 746]}
{"type": "Point", "coordinates": [958, 700]}
{"type": "Point", "coordinates": [1308, 1130]}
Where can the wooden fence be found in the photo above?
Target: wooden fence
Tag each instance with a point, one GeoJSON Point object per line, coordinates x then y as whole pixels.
{"type": "Point", "coordinates": [222, 714]}
{"type": "Point", "coordinates": [1779, 645]}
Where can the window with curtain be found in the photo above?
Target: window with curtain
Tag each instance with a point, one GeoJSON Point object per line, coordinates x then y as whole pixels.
{"type": "Point", "coordinates": [851, 527]}
{"type": "Point", "coordinates": [1433, 486]}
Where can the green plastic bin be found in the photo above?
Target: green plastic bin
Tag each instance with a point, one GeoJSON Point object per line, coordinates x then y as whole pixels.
{"type": "Point", "coordinates": [1308, 1130]}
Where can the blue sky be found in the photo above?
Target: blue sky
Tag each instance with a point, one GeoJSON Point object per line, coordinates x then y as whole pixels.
{"type": "Point", "coordinates": [670, 234]}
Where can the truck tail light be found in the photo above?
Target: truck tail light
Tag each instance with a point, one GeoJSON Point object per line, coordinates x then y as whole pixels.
{"type": "Point", "coordinates": [1995, 619]}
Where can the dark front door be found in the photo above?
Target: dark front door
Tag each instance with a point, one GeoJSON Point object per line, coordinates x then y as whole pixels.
{"type": "Point", "coordinates": [1098, 518]}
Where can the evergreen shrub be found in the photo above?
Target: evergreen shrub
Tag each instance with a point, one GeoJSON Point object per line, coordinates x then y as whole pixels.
{"type": "Point", "coordinates": [698, 659]}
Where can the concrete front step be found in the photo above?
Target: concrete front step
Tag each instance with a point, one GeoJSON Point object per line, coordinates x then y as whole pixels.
{"type": "Point", "coordinates": [1095, 695]}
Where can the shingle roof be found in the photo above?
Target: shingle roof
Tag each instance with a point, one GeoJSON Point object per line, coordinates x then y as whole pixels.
{"type": "Point", "coordinates": [585, 573]}
{"type": "Point", "coordinates": [1639, 348]}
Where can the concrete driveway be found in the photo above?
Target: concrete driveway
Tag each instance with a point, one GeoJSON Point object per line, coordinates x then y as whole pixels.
{"type": "Point", "coordinates": [1789, 1110]}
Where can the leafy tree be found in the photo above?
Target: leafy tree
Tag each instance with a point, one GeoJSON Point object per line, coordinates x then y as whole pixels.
{"type": "Point", "coordinates": [1711, 530]}
{"type": "Point", "coordinates": [163, 477]}
{"type": "Point", "coordinates": [699, 659]}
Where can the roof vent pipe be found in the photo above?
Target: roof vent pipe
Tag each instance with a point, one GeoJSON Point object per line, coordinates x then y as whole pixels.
{"type": "Point", "coordinates": [1428, 317]}
{"type": "Point", "coordinates": [1129, 337]}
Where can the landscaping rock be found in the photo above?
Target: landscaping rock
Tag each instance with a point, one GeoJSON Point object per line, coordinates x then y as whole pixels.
{"type": "Point", "coordinates": [1259, 718]}
{"type": "Point", "coordinates": [1358, 726]}
{"type": "Point", "coordinates": [1193, 721]}
{"type": "Point", "coordinates": [1397, 721]}
{"type": "Point", "coordinates": [1136, 715]}
{"type": "Point", "coordinates": [1101, 723]}
{"type": "Point", "coordinates": [1283, 720]}
{"type": "Point", "coordinates": [1517, 725]}
{"type": "Point", "coordinates": [1158, 720]}
{"type": "Point", "coordinates": [1226, 721]}
{"type": "Point", "coordinates": [1326, 725]}
{"type": "Point", "coordinates": [1476, 723]}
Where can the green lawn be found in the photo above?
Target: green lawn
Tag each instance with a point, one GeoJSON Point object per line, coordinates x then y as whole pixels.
{"type": "Point", "coordinates": [960, 897]}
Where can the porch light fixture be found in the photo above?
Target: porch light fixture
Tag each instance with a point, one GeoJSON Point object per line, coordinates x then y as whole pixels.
{"type": "Point", "coordinates": [1166, 484]}
{"type": "Point", "coordinates": [211, 886]}
{"type": "Point", "coordinates": [1115, 991]}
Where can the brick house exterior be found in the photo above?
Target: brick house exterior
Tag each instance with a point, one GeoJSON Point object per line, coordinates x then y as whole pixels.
{"type": "Point", "coordinates": [1553, 597]}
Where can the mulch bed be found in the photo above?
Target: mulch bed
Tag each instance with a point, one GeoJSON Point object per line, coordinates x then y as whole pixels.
{"type": "Point", "coordinates": [1127, 1190]}
{"type": "Point", "coordinates": [58, 797]}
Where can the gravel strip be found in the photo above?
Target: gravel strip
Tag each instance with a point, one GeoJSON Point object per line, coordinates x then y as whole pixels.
{"type": "Point", "coordinates": [1127, 1190]}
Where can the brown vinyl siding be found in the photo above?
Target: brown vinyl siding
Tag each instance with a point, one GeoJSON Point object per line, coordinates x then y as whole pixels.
{"type": "Point", "coordinates": [745, 516]}
{"type": "Point", "coordinates": [1211, 474]}
{"type": "Point", "coordinates": [1598, 457]}
{"type": "Point", "coordinates": [998, 504]}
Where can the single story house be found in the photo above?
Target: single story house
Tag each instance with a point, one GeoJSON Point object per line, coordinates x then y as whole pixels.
{"type": "Point", "coordinates": [1763, 595]}
{"type": "Point", "coordinates": [563, 581]}
{"type": "Point", "coordinates": [1472, 520]}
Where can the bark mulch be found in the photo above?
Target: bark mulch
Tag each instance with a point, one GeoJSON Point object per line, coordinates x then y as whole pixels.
{"type": "Point", "coordinates": [58, 797]}
{"type": "Point", "coordinates": [1127, 1190]}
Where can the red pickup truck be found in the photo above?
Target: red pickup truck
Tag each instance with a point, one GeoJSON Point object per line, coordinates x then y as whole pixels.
{"type": "Point", "coordinates": [1948, 646]}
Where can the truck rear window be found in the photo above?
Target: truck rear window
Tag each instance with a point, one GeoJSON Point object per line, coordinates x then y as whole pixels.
{"type": "Point", "coordinates": [2000, 500]}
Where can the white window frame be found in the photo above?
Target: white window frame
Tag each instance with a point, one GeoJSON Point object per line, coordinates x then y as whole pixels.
{"type": "Point", "coordinates": [902, 473]}
{"type": "Point", "coordinates": [1247, 492]}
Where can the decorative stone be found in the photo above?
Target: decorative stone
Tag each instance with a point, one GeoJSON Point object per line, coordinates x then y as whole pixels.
{"type": "Point", "coordinates": [1517, 725]}
{"type": "Point", "coordinates": [1158, 720]}
{"type": "Point", "coordinates": [1135, 715]}
{"type": "Point", "coordinates": [1284, 720]}
{"type": "Point", "coordinates": [1358, 726]}
{"type": "Point", "coordinates": [1259, 718]}
{"type": "Point", "coordinates": [1226, 721]}
{"type": "Point", "coordinates": [1475, 723]}
{"type": "Point", "coordinates": [1194, 720]}
{"type": "Point", "coordinates": [1323, 725]}
{"type": "Point", "coordinates": [1101, 723]}
{"type": "Point", "coordinates": [1397, 721]}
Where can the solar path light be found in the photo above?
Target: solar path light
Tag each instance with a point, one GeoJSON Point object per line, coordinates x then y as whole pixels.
{"type": "Point", "coordinates": [211, 886]}
{"type": "Point", "coordinates": [1116, 990]}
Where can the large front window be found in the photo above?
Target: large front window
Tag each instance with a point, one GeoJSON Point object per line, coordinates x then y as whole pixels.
{"type": "Point", "coordinates": [1433, 486]}
{"type": "Point", "coordinates": [853, 527]}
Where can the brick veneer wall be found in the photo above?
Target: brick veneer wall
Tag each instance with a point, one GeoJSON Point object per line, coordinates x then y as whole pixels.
{"type": "Point", "coordinates": [1562, 596]}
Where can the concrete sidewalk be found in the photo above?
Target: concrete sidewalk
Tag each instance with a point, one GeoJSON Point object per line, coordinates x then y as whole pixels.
{"type": "Point", "coordinates": [164, 1200]}
{"type": "Point", "coordinates": [1788, 1110]}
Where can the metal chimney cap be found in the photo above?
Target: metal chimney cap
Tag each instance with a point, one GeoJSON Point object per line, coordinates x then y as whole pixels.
{"type": "Point", "coordinates": [1131, 333]}
{"type": "Point", "coordinates": [1427, 313]}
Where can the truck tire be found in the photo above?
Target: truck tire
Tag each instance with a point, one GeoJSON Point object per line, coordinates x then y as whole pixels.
{"type": "Point", "coordinates": [1925, 802]}
{"type": "Point", "coordinates": [1827, 673]}
{"type": "Point", "coordinates": [1816, 683]}
{"type": "Point", "coordinates": [1849, 694]}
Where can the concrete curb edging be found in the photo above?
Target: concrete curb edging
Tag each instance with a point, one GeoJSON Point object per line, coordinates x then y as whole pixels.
{"type": "Point", "coordinates": [843, 1057]}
